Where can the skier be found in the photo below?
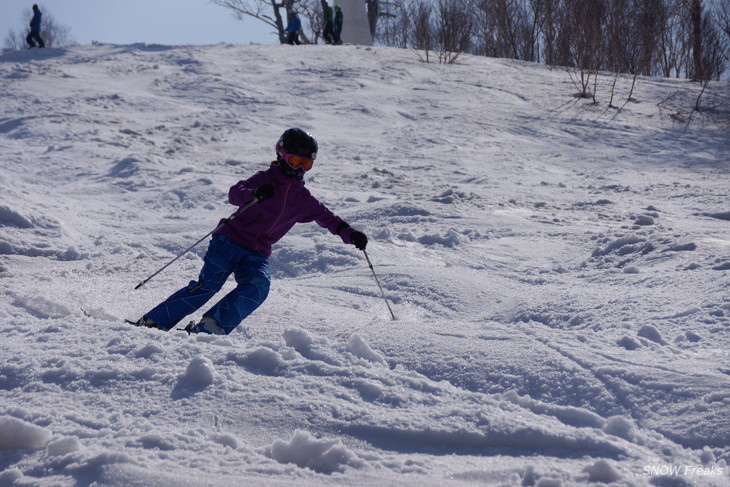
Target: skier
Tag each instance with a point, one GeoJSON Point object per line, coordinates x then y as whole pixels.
{"type": "Point", "coordinates": [328, 32]}
{"type": "Point", "coordinates": [338, 25]}
{"type": "Point", "coordinates": [242, 246]}
{"type": "Point", "coordinates": [35, 29]}
{"type": "Point", "coordinates": [292, 28]}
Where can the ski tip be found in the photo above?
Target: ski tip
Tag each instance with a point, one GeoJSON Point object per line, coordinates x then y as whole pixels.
{"type": "Point", "coordinates": [141, 284]}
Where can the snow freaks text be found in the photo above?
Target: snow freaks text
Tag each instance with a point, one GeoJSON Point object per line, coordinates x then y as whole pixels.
{"type": "Point", "coordinates": [683, 470]}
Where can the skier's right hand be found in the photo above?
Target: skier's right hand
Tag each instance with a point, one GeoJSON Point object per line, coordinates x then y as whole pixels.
{"type": "Point", "coordinates": [359, 240]}
{"type": "Point", "coordinates": [263, 192]}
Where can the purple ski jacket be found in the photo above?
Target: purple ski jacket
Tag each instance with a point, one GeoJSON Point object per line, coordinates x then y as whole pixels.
{"type": "Point", "coordinates": [265, 223]}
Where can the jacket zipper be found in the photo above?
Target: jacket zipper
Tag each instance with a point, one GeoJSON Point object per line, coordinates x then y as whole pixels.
{"type": "Point", "coordinates": [281, 213]}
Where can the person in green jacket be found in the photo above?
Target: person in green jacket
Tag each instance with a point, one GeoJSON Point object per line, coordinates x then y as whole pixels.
{"type": "Point", "coordinates": [328, 32]}
{"type": "Point", "coordinates": [338, 24]}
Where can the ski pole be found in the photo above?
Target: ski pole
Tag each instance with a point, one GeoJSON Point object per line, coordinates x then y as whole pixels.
{"type": "Point", "coordinates": [222, 224]}
{"type": "Point", "coordinates": [379, 286]}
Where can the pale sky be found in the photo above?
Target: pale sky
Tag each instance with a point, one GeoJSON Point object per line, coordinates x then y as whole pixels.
{"type": "Point", "coordinates": [171, 22]}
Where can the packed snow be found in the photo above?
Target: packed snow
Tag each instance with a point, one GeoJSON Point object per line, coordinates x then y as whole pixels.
{"type": "Point", "coordinates": [559, 271]}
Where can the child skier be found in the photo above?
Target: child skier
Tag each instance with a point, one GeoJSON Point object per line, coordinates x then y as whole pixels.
{"type": "Point", "coordinates": [242, 245]}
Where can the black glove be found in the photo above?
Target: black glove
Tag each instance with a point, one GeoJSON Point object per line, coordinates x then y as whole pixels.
{"type": "Point", "coordinates": [263, 192]}
{"type": "Point", "coordinates": [359, 240]}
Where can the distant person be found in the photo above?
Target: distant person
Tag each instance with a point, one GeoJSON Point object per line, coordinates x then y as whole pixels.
{"type": "Point", "coordinates": [328, 33]}
{"type": "Point", "coordinates": [294, 26]}
{"type": "Point", "coordinates": [271, 202]}
{"type": "Point", "coordinates": [338, 24]}
{"type": "Point", "coordinates": [35, 29]}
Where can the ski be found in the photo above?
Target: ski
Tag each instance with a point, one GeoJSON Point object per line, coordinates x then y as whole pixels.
{"type": "Point", "coordinates": [186, 329]}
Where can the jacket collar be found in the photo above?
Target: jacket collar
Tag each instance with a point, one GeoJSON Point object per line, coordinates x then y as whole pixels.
{"type": "Point", "coordinates": [280, 177]}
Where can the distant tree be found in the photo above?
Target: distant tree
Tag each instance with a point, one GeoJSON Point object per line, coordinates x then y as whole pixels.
{"type": "Point", "coordinates": [715, 49]}
{"type": "Point", "coordinates": [723, 18]}
{"type": "Point", "coordinates": [705, 45]}
{"type": "Point", "coordinates": [381, 9]}
{"type": "Point", "coordinates": [267, 11]}
{"type": "Point", "coordinates": [672, 48]}
{"type": "Point", "coordinates": [723, 23]}
{"type": "Point", "coordinates": [53, 33]}
{"type": "Point", "coordinates": [534, 27]}
{"type": "Point", "coordinates": [257, 9]}
{"type": "Point", "coordinates": [397, 29]}
{"type": "Point", "coordinates": [311, 11]}
{"type": "Point", "coordinates": [643, 58]}
{"type": "Point", "coordinates": [549, 14]}
{"type": "Point", "coordinates": [453, 29]}
{"type": "Point", "coordinates": [632, 32]}
{"type": "Point", "coordinates": [585, 41]}
{"type": "Point", "coordinates": [13, 41]}
{"type": "Point", "coordinates": [423, 34]}
{"type": "Point", "coordinates": [697, 67]}
{"type": "Point", "coordinates": [504, 27]}
{"type": "Point", "coordinates": [443, 27]}
{"type": "Point", "coordinates": [373, 15]}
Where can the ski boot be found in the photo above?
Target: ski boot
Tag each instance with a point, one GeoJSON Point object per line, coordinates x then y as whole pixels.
{"type": "Point", "coordinates": [207, 325]}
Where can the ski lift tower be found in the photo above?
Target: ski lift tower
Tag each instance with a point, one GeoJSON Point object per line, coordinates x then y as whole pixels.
{"type": "Point", "coordinates": [355, 24]}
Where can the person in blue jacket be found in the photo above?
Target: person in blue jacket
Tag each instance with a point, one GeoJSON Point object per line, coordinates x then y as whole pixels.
{"type": "Point", "coordinates": [293, 28]}
{"type": "Point", "coordinates": [35, 29]}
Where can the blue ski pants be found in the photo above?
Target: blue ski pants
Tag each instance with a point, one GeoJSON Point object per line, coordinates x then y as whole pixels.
{"type": "Point", "coordinates": [33, 38]}
{"type": "Point", "coordinates": [223, 258]}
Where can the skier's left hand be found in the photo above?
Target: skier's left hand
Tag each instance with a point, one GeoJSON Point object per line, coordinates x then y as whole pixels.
{"type": "Point", "coordinates": [359, 240]}
{"type": "Point", "coordinates": [264, 192]}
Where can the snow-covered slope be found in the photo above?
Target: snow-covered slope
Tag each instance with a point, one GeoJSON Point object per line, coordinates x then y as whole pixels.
{"type": "Point", "coordinates": [559, 271]}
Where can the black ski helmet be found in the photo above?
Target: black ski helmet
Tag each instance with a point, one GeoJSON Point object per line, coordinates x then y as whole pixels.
{"type": "Point", "coordinates": [298, 142]}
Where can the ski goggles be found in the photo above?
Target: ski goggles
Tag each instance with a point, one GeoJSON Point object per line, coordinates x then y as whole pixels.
{"type": "Point", "coordinates": [295, 161]}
